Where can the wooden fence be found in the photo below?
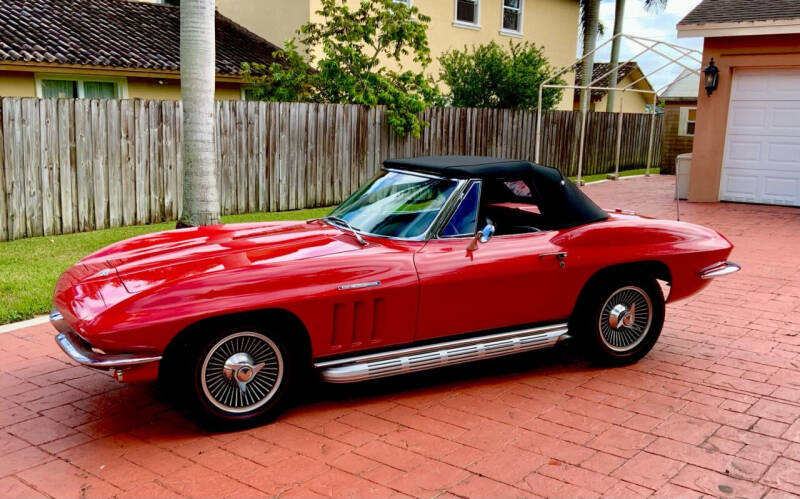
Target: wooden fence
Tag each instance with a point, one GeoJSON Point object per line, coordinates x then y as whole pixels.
{"type": "Point", "coordinates": [77, 165]}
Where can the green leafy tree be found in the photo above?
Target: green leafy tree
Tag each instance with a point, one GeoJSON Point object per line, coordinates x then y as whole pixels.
{"type": "Point", "coordinates": [490, 76]}
{"type": "Point", "coordinates": [289, 80]}
{"type": "Point", "coordinates": [354, 48]}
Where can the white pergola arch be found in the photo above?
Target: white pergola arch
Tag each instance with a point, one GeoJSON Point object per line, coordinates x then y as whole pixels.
{"type": "Point", "coordinates": [686, 57]}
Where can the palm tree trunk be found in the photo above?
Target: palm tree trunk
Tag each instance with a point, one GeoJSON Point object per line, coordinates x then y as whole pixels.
{"type": "Point", "coordinates": [591, 19]}
{"type": "Point", "coordinates": [619, 15]}
{"type": "Point", "coordinates": [200, 194]}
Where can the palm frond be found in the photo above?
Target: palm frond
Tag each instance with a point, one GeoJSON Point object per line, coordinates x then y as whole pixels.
{"type": "Point", "coordinates": [654, 6]}
{"type": "Point", "coordinates": [583, 22]}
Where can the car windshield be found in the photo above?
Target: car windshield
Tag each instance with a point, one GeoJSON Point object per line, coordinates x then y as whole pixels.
{"type": "Point", "coordinates": [396, 204]}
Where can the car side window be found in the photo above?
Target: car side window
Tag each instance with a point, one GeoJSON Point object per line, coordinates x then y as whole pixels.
{"type": "Point", "coordinates": [465, 219]}
{"type": "Point", "coordinates": [512, 207]}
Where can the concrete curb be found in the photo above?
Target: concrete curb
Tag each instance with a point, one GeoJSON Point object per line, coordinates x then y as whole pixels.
{"type": "Point", "coordinates": [620, 178]}
{"type": "Point", "coordinates": [14, 326]}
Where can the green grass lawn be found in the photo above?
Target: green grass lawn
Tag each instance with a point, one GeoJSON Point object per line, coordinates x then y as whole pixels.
{"type": "Point", "coordinates": [627, 173]}
{"type": "Point", "coordinates": [29, 267]}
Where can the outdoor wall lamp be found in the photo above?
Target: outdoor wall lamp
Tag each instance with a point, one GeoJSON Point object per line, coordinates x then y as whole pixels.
{"type": "Point", "coordinates": [712, 76]}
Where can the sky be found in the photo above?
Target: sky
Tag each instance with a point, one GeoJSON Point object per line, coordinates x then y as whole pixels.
{"type": "Point", "coordinates": [655, 25]}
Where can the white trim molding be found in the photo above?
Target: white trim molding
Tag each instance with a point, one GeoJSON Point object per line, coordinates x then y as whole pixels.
{"type": "Point", "coordinates": [121, 82]}
{"type": "Point", "coordinates": [747, 28]}
{"type": "Point", "coordinates": [508, 32]}
{"type": "Point", "coordinates": [683, 121]}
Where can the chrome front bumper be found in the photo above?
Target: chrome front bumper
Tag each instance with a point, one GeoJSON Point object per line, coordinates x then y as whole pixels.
{"type": "Point", "coordinates": [719, 269]}
{"type": "Point", "coordinates": [81, 352]}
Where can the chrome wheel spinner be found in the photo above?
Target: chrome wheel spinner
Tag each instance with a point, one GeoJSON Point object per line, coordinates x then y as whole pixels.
{"type": "Point", "coordinates": [242, 372]}
{"type": "Point", "coordinates": [240, 368]}
{"type": "Point", "coordinates": [621, 316]}
{"type": "Point", "coordinates": [625, 318]}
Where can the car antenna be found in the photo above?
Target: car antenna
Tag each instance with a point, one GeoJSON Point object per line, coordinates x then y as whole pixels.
{"type": "Point", "coordinates": [677, 199]}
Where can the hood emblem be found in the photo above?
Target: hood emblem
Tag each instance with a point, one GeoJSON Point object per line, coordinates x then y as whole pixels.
{"type": "Point", "coordinates": [103, 273]}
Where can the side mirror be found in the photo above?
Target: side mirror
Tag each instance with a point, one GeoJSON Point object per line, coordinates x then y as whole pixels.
{"type": "Point", "coordinates": [486, 233]}
{"type": "Point", "coordinates": [482, 236]}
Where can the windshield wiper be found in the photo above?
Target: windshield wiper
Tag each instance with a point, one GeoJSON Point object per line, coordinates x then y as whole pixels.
{"type": "Point", "coordinates": [342, 224]}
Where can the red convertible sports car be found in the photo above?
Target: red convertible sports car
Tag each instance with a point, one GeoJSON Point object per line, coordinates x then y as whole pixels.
{"type": "Point", "coordinates": [435, 261]}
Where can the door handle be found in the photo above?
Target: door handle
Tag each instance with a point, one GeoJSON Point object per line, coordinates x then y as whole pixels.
{"type": "Point", "coordinates": [558, 254]}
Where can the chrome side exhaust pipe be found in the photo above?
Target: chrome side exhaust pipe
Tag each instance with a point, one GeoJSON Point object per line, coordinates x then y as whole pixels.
{"type": "Point", "coordinates": [407, 360]}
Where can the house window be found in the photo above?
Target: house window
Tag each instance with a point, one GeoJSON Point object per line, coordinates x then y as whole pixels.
{"type": "Point", "coordinates": [80, 87]}
{"type": "Point", "coordinates": [59, 89]}
{"type": "Point", "coordinates": [467, 12]}
{"type": "Point", "coordinates": [512, 16]}
{"type": "Point", "coordinates": [687, 121]}
{"type": "Point", "coordinates": [99, 90]}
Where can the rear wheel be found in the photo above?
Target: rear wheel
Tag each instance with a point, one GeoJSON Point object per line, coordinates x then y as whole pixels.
{"type": "Point", "coordinates": [621, 319]}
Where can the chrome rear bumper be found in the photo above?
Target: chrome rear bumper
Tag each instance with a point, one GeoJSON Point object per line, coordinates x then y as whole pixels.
{"type": "Point", "coordinates": [79, 351]}
{"type": "Point", "coordinates": [719, 269]}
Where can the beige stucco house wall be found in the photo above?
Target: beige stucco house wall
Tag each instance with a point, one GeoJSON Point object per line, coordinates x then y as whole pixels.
{"type": "Point", "coordinates": [631, 102]}
{"type": "Point", "coordinates": [274, 20]}
{"type": "Point", "coordinates": [552, 24]}
{"type": "Point", "coordinates": [638, 94]}
{"type": "Point", "coordinates": [14, 83]}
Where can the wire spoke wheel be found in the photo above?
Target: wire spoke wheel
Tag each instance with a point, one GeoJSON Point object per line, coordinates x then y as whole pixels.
{"type": "Point", "coordinates": [242, 372]}
{"type": "Point", "coordinates": [625, 319]}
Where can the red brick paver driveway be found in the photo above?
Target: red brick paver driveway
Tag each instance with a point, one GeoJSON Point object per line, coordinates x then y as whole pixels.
{"type": "Point", "coordinates": [713, 410]}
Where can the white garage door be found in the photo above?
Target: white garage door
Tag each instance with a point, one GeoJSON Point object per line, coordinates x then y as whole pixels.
{"type": "Point", "coordinates": [761, 161]}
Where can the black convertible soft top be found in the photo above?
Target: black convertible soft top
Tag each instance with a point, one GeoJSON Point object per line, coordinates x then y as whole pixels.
{"type": "Point", "coordinates": [559, 199]}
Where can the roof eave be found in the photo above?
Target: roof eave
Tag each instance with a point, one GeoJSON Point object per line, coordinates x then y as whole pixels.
{"type": "Point", "coordinates": [744, 28]}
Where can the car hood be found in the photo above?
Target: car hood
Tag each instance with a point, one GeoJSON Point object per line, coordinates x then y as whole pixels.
{"type": "Point", "coordinates": [146, 261]}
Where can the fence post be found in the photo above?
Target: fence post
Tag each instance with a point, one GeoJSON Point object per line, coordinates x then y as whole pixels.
{"type": "Point", "coordinates": [3, 220]}
{"type": "Point", "coordinates": [650, 142]}
{"type": "Point", "coordinates": [580, 150]}
{"type": "Point", "coordinates": [620, 117]}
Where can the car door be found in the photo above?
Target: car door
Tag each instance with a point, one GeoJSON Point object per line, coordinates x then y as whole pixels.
{"type": "Point", "coordinates": [510, 280]}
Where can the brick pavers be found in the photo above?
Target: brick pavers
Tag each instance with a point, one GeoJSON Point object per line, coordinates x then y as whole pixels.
{"type": "Point", "coordinates": [713, 410]}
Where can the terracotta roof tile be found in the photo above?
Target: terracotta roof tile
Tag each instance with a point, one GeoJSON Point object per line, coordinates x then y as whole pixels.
{"type": "Point", "coordinates": [731, 11]}
{"type": "Point", "coordinates": [115, 33]}
{"type": "Point", "coordinates": [599, 69]}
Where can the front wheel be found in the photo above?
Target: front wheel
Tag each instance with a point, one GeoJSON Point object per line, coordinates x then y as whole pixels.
{"type": "Point", "coordinates": [236, 377]}
{"type": "Point", "coordinates": [622, 320]}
